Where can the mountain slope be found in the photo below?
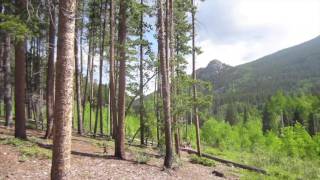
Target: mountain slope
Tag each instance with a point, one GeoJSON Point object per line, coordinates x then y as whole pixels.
{"type": "Point", "coordinates": [291, 70]}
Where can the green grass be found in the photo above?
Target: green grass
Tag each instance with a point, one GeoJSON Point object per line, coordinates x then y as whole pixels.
{"type": "Point", "coordinates": [142, 158]}
{"type": "Point", "coordinates": [27, 149]}
{"type": "Point", "coordinates": [86, 121]}
{"type": "Point", "coordinates": [201, 160]}
{"type": "Point", "coordinates": [132, 122]}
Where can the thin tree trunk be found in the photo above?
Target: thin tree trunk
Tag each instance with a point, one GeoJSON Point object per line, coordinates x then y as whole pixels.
{"type": "Point", "coordinates": [84, 101]}
{"type": "Point", "coordinates": [101, 67]}
{"type": "Point", "coordinates": [60, 168]}
{"type": "Point", "coordinates": [141, 106]}
{"type": "Point", "coordinates": [165, 88]}
{"type": "Point", "coordinates": [91, 86]}
{"type": "Point", "coordinates": [99, 96]}
{"type": "Point", "coordinates": [172, 70]}
{"type": "Point", "coordinates": [119, 143]}
{"type": "Point", "coordinates": [29, 78]}
{"type": "Point", "coordinates": [78, 78]}
{"type": "Point", "coordinates": [7, 79]}
{"type": "Point", "coordinates": [157, 111]}
{"type": "Point", "coordinates": [112, 86]}
{"type": "Point", "coordinates": [1, 66]}
{"type": "Point", "coordinates": [20, 82]}
{"type": "Point", "coordinates": [177, 142]}
{"type": "Point", "coordinates": [194, 89]}
{"type": "Point", "coordinates": [51, 71]}
{"type": "Point", "coordinates": [81, 44]}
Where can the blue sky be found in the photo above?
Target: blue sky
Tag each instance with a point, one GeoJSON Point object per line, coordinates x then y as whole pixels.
{"type": "Point", "coordinates": [240, 31]}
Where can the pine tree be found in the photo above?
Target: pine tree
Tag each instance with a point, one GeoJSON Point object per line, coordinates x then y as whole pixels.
{"type": "Point", "coordinates": [60, 168]}
{"type": "Point", "coordinates": [112, 86]}
{"type": "Point", "coordinates": [165, 87]}
{"type": "Point", "coordinates": [7, 79]}
{"type": "Point", "coordinates": [141, 99]}
{"type": "Point", "coordinates": [266, 120]}
{"type": "Point", "coordinates": [119, 142]}
{"type": "Point", "coordinates": [194, 89]}
{"type": "Point", "coordinates": [20, 80]}
{"type": "Point", "coordinates": [231, 114]}
{"type": "Point", "coordinates": [312, 124]}
{"type": "Point", "coordinates": [77, 72]}
{"type": "Point", "coordinates": [297, 117]}
{"type": "Point", "coordinates": [51, 69]}
{"type": "Point", "coordinates": [245, 115]}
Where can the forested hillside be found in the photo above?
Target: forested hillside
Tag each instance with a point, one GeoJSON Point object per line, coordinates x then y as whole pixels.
{"type": "Point", "coordinates": [292, 70]}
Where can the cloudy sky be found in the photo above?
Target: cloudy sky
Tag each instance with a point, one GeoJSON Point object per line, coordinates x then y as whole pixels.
{"type": "Point", "coordinates": [239, 31]}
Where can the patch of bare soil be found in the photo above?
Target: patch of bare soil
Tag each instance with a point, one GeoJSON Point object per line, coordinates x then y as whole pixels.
{"type": "Point", "coordinates": [90, 161]}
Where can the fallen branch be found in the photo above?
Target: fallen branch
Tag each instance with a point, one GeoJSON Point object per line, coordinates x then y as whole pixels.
{"type": "Point", "coordinates": [251, 168]}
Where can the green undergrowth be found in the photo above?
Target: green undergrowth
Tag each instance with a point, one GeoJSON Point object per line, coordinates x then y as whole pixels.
{"type": "Point", "coordinates": [277, 167]}
{"type": "Point", "coordinates": [142, 158]}
{"type": "Point", "coordinates": [27, 149]}
{"type": "Point", "coordinates": [201, 160]}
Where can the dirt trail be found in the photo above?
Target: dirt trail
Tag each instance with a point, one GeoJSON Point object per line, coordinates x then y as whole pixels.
{"type": "Point", "coordinates": [89, 161]}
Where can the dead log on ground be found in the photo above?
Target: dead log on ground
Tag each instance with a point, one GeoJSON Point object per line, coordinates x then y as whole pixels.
{"type": "Point", "coordinates": [243, 166]}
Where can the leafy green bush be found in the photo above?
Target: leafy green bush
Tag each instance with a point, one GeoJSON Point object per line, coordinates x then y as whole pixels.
{"type": "Point", "coordinates": [293, 154]}
{"type": "Point", "coordinates": [294, 141]}
{"type": "Point", "coordinates": [132, 125]}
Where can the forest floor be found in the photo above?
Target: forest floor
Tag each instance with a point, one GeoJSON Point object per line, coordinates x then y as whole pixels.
{"type": "Point", "coordinates": [93, 159]}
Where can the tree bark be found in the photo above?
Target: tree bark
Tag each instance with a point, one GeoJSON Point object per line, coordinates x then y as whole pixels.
{"type": "Point", "coordinates": [119, 143]}
{"type": "Point", "coordinates": [7, 79]}
{"type": "Point", "coordinates": [20, 81]}
{"type": "Point", "coordinates": [91, 98]}
{"type": "Point", "coordinates": [141, 106]}
{"type": "Point", "coordinates": [20, 87]}
{"type": "Point", "coordinates": [99, 97]}
{"type": "Point", "coordinates": [194, 89]}
{"type": "Point", "coordinates": [60, 168]}
{"type": "Point", "coordinates": [156, 104]}
{"type": "Point", "coordinates": [112, 86]}
{"type": "Point", "coordinates": [85, 96]}
{"type": "Point", "coordinates": [177, 141]}
{"type": "Point", "coordinates": [51, 70]}
{"type": "Point", "coordinates": [78, 78]}
{"type": "Point", "coordinates": [165, 88]}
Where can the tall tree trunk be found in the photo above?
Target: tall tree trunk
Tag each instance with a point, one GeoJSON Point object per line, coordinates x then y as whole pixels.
{"type": "Point", "coordinates": [100, 96]}
{"type": "Point", "coordinates": [81, 44]}
{"type": "Point", "coordinates": [91, 98]}
{"type": "Point", "coordinates": [7, 79]}
{"type": "Point", "coordinates": [165, 88]}
{"type": "Point", "coordinates": [112, 86]}
{"type": "Point", "coordinates": [172, 70]}
{"type": "Point", "coordinates": [85, 96]}
{"type": "Point", "coordinates": [177, 142]}
{"type": "Point", "coordinates": [1, 66]}
{"type": "Point", "coordinates": [29, 77]}
{"type": "Point", "coordinates": [20, 81]}
{"type": "Point", "coordinates": [60, 168]}
{"type": "Point", "coordinates": [141, 106]}
{"type": "Point", "coordinates": [78, 77]}
{"type": "Point", "coordinates": [119, 143]}
{"type": "Point", "coordinates": [51, 70]}
{"type": "Point", "coordinates": [157, 109]}
{"type": "Point", "coordinates": [194, 89]}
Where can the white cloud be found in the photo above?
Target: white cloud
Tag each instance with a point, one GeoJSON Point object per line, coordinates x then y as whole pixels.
{"type": "Point", "coordinates": [256, 27]}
